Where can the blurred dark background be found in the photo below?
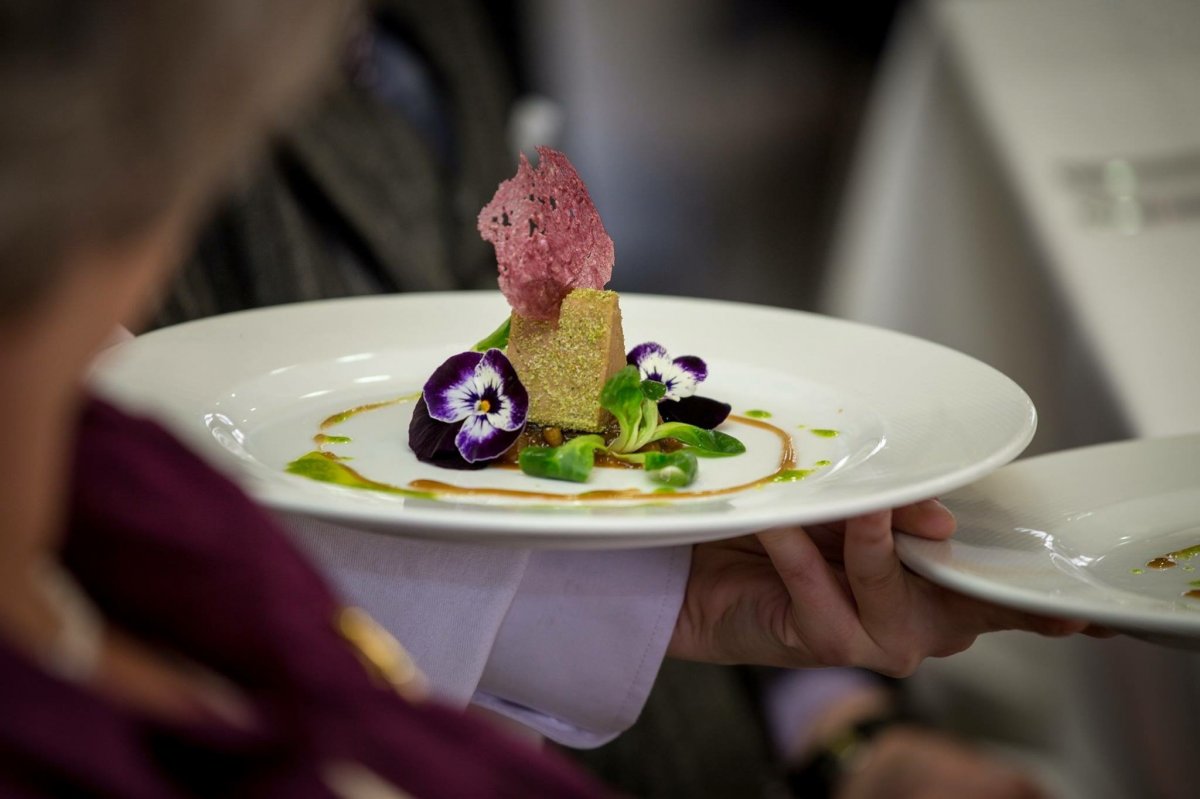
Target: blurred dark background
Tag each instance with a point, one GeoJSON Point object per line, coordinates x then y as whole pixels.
{"type": "Point", "coordinates": [713, 134]}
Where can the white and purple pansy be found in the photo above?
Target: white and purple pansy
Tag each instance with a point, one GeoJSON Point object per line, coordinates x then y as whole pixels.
{"type": "Point", "coordinates": [481, 394]}
{"type": "Point", "coordinates": [680, 375]}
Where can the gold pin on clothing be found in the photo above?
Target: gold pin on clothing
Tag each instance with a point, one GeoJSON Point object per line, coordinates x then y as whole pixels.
{"type": "Point", "coordinates": [382, 655]}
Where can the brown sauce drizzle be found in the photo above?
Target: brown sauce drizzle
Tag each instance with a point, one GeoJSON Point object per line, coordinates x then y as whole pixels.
{"type": "Point", "coordinates": [606, 461]}
{"type": "Point", "coordinates": [1169, 560]}
{"type": "Point", "coordinates": [342, 416]}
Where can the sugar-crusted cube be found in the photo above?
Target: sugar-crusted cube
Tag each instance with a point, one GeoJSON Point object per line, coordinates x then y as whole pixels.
{"type": "Point", "coordinates": [564, 363]}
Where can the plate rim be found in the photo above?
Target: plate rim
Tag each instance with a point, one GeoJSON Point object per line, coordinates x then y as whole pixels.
{"type": "Point", "coordinates": [926, 557]}
{"type": "Point", "coordinates": [593, 529]}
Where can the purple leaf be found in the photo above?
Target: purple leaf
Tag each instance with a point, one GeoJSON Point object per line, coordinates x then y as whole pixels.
{"type": "Point", "coordinates": [695, 410]}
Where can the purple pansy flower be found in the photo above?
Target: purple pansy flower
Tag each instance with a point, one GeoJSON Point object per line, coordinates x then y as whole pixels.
{"type": "Point", "coordinates": [680, 375]}
{"type": "Point", "coordinates": [482, 394]}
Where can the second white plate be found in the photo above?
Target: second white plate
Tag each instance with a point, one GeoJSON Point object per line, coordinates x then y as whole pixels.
{"type": "Point", "coordinates": [1109, 534]}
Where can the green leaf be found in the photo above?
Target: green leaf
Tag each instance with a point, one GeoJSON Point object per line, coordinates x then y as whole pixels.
{"type": "Point", "coordinates": [654, 390]}
{"type": "Point", "coordinates": [671, 468]}
{"type": "Point", "coordinates": [710, 442]}
{"type": "Point", "coordinates": [624, 397]}
{"type": "Point", "coordinates": [497, 340]}
{"type": "Point", "coordinates": [573, 461]}
{"type": "Point", "coordinates": [646, 432]}
{"type": "Point", "coordinates": [622, 394]}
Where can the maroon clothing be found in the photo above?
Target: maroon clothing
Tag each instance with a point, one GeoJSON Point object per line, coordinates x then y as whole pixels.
{"type": "Point", "coordinates": [176, 555]}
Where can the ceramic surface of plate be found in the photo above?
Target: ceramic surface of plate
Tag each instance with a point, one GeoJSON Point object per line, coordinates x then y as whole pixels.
{"type": "Point", "coordinates": [874, 418]}
{"type": "Point", "coordinates": [1110, 534]}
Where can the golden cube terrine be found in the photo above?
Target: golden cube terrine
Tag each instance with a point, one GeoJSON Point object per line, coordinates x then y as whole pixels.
{"type": "Point", "coordinates": [565, 363]}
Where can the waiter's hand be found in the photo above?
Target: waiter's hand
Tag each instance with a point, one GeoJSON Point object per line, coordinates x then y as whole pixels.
{"type": "Point", "coordinates": [833, 595]}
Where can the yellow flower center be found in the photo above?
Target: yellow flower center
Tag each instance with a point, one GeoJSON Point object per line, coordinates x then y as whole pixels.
{"type": "Point", "coordinates": [483, 406]}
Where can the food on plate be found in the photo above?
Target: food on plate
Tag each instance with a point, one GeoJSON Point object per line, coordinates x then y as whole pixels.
{"type": "Point", "coordinates": [564, 363]}
{"type": "Point", "coordinates": [547, 235]}
{"type": "Point", "coordinates": [553, 388]}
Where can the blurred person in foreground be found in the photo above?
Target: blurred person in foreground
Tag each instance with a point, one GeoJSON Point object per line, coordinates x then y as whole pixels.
{"type": "Point", "coordinates": [159, 636]}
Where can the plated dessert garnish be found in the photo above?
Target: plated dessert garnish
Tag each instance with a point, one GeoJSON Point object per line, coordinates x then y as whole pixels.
{"type": "Point", "coordinates": [553, 390]}
{"type": "Point", "coordinates": [554, 407]}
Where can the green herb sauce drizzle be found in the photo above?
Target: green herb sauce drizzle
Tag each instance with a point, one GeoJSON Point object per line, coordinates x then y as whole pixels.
{"type": "Point", "coordinates": [326, 467]}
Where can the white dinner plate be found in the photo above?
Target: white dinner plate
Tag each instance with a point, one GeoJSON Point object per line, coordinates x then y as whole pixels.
{"type": "Point", "coordinates": [876, 418]}
{"type": "Point", "coordinates": [1077, 534]}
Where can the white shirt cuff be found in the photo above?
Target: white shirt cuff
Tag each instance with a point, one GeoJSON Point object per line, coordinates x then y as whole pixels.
{"type": "Point", "coordinates": [583, 640]}
{"type": "Point", "coordinates": [444, 602]}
